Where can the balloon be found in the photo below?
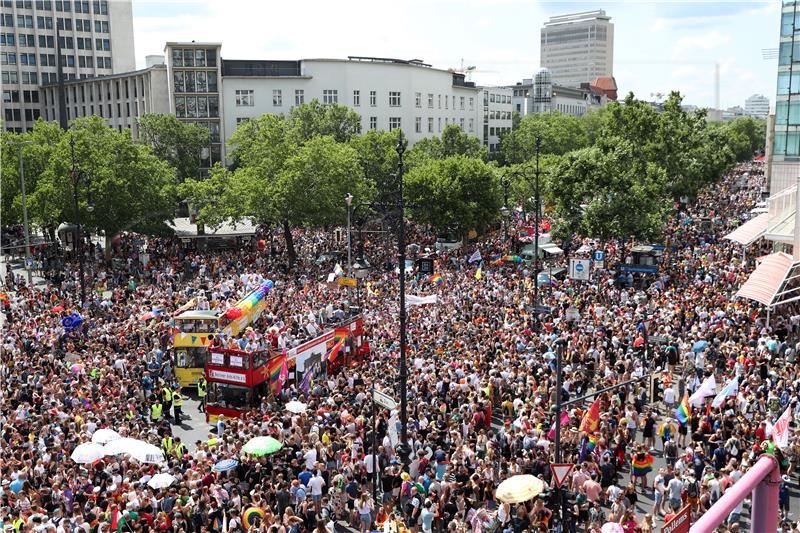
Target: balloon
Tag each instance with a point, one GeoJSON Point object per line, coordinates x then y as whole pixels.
{"type": "Point", "coordinates": [72, 322]}
{"type": "Point", "coordinates": [262, 244]}
{"type": "Point", "coordinates": [233, 312]}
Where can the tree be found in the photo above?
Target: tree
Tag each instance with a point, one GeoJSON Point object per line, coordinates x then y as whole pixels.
{"type": "Point", "coordinates": [178, 143]}
{"type": "Point", "coordinates": [377, 152]}
{"type": "Point", "coordinates": [754, 132]}
{"type": "Point", "coordinates": [609, 193]}
{"type": "Point", "coordinates": [317, 119]}
{"type": "Point", "coordinates": [452, 142]}
{"type": "Point", "coordinates": [458, 193]}
{"type": "Point", "coordinates": [559, 134]}
{"type": "Point", "coordinates": [132, 188]}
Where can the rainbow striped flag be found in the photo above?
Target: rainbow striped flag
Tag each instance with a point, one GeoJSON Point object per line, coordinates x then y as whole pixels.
{"type": "Point", "coordinates": [641, 466]}
{"type": "Point", "coordinates": [275, 365]}
{"type": "Point", "coordinates": [591, 442]}
{"type": "Point", "coordinates": [684, 413]}
{"type": "Point", "coordinates": [335, 350]}
{"type": "Point", "coordinates": [437, 279]}
{"type": "Point", "coordinates": [84, 400]}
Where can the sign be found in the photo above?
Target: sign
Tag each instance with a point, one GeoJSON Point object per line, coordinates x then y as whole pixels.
{"type": "Point", "coordinates": [560, 472]}
{"type": "Point", "coordinates": [646, 269]}
{"type": "Point", "coordinates": [384, 400]}
{"type": "Point", "coordinates": [543, 309]}
{"type": "Point", "coordinates": [579, 268]}
{"type": "Point", "coordinates": [425, 265]}
{"type": "Point", "coordinates": [350, 282]}
{"type": "Point", "coordinates": [598, 256]}
{"type": "Point", "coordinates": [227, 376]}
{"type": "Point", "coordinates": [217, 358]}
{"type": "Point", "coordinates": [680, 522]}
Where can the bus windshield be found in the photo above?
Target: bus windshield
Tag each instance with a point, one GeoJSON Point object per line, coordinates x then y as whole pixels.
{"type": "Point", "coordinates": [188, 357]}
{"type": "Point", "coordinates": [229, 396]}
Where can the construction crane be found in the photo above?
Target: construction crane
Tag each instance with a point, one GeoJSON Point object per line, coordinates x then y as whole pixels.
{"type": "Point", "coordinates": [467, 71]}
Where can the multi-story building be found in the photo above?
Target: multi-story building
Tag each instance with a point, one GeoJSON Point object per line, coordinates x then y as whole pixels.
{"type": "Point", "coordinates": [757, 105]}
{"type": "Point", "coordinates": [578, 47]}
{"type": "Point", "coordinates": [540, 95]}
{"type": "Point", "coordinates": [497, 113]}
{"type": "Point", "coordinates": [93, 37]}
{"type": "Point", "coordinates": [121, 99]}
{"type": "Point", "coordinates": [785, 161]}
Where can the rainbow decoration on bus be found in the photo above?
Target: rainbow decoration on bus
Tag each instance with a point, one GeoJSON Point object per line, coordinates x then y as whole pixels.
{"type": "Point", "coordinates": [246, 305]}
{"type": "Point", "coordinates": [505, 259]}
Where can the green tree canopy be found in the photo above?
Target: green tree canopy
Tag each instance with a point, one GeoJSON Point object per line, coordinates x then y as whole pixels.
{"type": "Point", "coordinates": [452, 142]}
{"type": "Point", "coordinates": [458, 193]}
{"type": "Point", "coordinates": [559, 134]}
{"type": "Point", "coordinates": [178, 143]}
{"type": "Point", "coordinates": [315, 118]}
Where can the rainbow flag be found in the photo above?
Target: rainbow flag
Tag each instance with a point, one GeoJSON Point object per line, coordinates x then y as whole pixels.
{"type": "Point", "coordinates": [335, 350]}
{"type": "Point", "coordinates": [667, 429]}
{"type": "Point", "coordinates": [587, 446]}
{"type": "Point", "coordinates": [591, 420]}
{"type": "Point", "coordinates": [684, 413]}
{"type": "Point", "coordinates": [643, 466]}
{"type": "Point", "coordinates": [437, 279]}
{"type": "Point", "coordinates": [591, 442]}
{"type": "Point", "coordinates": [275, 365]}
{"type": "Point", "coordinates": [84, 400]}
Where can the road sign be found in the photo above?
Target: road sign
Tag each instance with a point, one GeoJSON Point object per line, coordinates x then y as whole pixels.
{"type": "Point", "coordinates": [560, 472]}
{"type": "Point", "coordinates": [425, 265]}
{"type": "Point", "coordinates": [384, 400]}
{"type": "Point", "coordinates": [599, 256]}
{"type": "Point", "coordinates": [579, 268]}
{"type": "Point", "coordinates": [679, 523]}
{"type": "Point", "coordinates": [350, 282]}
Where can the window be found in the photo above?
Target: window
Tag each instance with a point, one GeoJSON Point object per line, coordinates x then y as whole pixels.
{"type": "Point", "coordinates": [30, 97]}
{"type": "Point", "coordinates": [430, 100]}
{"type": "Point", "coordinates": [245, 97]}
{"type": "Point", "coordinates": [239, 120]}
{"type": "Point", "coordinates": [27, 40]}
{"type": "Point", "coordinates": [394, 99]}
{"type": "Point", "coordinates": [446, 101]}
{"type": "Point", "coordinates": [373, 123]}
{"type": "Point", "coordinates": [440, 124]}
{"type": "Point", "coordinates": [299, 97]}
{"type": "Point", "coordinates": [7, 39]}
{"type": "Point", "coordinates": [440, 103]}
{"type": "Point", "coordinates": [8, 58]}
{"type": "Point", "coordinates": [201, 82]}
{"type": "Point", "coordinates": [44, 4]}
{"type": "Point", "coordinates": [330, 96]}
{"type": "Point", "coordinates": [8, 20]}
{"type": "Point", "coordinates": [471, 125]}
{"type": "Point", "coordinates": [45, 23]}
{"type": "Point", "coordinates": [418, 125]}
{"type": "Point", "coordinates": [471, 103]}
{"type": "Point", "coordinates": [785, 83]}
{"type": "Point", "coordinates": [11, 96]}
{"type": "Point", "coordinates": [101, 26]}
{"type": "Point", "coordinates": [356, 98]}
{"type": "Point", "coordinates": [25, 21]}
{"type": "Point", "coordinates": [46, 41]}
{"type": "Point", "coordinates": [277, 98]}
{"type": "Point", "coordinates": [418, 99]}
{"type": "Point", "coordinates": [10, 76]}
{"type": "Point", "coordinates": [394, 123]}
{"type": "Point", "coordinates": [373, 98]}
{"type": "Point", "coordinates": [27, 59]}
{"type": "Point", "coordinates": [211, 78]}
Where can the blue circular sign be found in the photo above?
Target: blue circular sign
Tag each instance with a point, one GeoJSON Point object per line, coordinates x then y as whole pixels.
{"type": "Point", "coordinates": [579, 267]}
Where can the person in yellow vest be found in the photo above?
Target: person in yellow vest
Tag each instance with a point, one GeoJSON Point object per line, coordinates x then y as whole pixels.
{"type": "Point", "coordinates": [155, 411]}
{"type": "Point", "coordinates": [180, 448]}
{"type": "Point", "coordinates": [167, 444]}
{"type": "Point", "coordinates": [202, 385]}
{"type": "Point", "coordinates": [177, 403]}
{"type": "Point", "coordinates": [166, 398]}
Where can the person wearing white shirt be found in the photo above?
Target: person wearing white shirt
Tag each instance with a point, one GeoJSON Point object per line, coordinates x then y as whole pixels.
{"type": "Point", "coordinates": [310, 457]}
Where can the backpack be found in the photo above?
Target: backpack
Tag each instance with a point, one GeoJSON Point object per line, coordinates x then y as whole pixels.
{"type": "Point", "coordinates": [692, 489]}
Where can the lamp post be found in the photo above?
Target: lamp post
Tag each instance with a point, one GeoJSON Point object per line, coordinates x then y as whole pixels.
{"type": "Point", "coordinates": [75, 178]}
{"type": "Point", "coordinates": [28, 259]}
{"type": "Point", "coordinates": [536, 235]}
{"type": "Point", "coordinates": [348, 200]}
{"type": "Point", "coordinates": [401, 244]}
{"type": "Point", "coordinates": [504, 211]}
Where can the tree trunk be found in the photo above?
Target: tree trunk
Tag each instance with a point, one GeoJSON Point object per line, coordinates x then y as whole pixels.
{"type": "Point", "coordinates": [107, 249]}
{"type": "Point", "coordinates": [287, 235]}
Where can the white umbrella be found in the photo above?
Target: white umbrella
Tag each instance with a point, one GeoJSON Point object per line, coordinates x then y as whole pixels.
{"type": "Point", "coordinates": [520, 488]}
{"type": "Point", "coordinates": [87, 453]}
{"type": "Point", "coordinates": [296, 407]}
{"type": "Point", "coordinates": [105, 435]}
{"type": "Point", "coordinates": [142, 451]}
{"type": "Point", "coordinates": [161, 481]}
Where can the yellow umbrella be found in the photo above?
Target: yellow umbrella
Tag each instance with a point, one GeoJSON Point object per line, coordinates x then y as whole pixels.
{"type": "Point", "coordinates": [517, 489]}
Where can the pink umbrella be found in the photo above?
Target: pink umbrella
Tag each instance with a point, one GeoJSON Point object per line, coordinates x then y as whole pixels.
{"type": "Point", "coordinates": [77, 368]}
{"type": "Point", "coordinates": [612, 527]}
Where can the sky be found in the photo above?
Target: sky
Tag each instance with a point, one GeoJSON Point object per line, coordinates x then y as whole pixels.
{"type": "Point", "coordinates": [658, 46]}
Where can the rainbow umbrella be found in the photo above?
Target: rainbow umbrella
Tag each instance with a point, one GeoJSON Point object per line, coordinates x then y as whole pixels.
{"type": "Point", "coordinates": [253, 517]}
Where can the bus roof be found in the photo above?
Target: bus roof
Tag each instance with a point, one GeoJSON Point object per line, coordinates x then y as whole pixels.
{"type": "Point", "coordinates": [198, 314]}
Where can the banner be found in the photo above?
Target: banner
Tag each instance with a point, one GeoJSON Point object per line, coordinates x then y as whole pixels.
{"type": "Point", "coordinates": [421, 300]}
{"type": "Point", "coordinates": [730, 389]}
{"type": "Point", "coordinates": [780, 431]}
{"type": "Point", "coordinates": [707, 388]}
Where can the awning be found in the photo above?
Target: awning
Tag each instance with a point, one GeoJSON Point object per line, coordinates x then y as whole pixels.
{"type": "Point", "coordinates": [551, 248]}
{"type": "Point", "coordinates": [765, 283]}
{"type": "Point", "coordinates": [750, 231]}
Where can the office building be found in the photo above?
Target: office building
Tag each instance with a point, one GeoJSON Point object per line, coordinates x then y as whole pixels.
{"type": "Point", "coordinates": [497, 113]}
{"type": "Point", "coordinates": [757, 106]}
{"type": "Point", "coordinates": [95, 38]}
{"type": "Point", "coordinates": [578, 47]}
{"type": "Point", "coordinates": [540, 95]}
{"type": "Point", "coordinates": [785, 167]}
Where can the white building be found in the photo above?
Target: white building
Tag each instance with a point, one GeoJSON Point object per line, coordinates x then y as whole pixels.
{"type": "Point", "coordinates": [757, 106]}
{"type": "Point", "coordinates": [578, 47]}
{"type": "Point", "coordinates": [95, 38]}
{"type": "Point", "coordinates": [387, 93]}
{"type": "Point", "coordinates": [540, 95]}
{"type": "Point", "coordinates": [497, 113]}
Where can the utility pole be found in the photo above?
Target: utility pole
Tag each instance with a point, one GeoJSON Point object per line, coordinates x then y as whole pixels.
{"type": "Point", "coordinates": [348, 200]}
{"type": "Point", "coordinates": [536, 239]}
{"type": "Point", "coordinates": [401, 244]}
{"type": "Point", "coordinates": [28, 260]}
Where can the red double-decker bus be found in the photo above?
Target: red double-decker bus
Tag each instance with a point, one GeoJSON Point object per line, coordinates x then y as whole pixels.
{"type": "Point", "coordinates": [238, 379]}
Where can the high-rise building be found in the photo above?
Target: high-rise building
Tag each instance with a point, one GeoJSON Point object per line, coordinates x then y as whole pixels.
{"type": "Point", "coordinates": [757, 106]}
{"type": "Point", "coordinates": [578, 47]}
{"type": "Point", "coordinates": [784, 164]}
{"type": "Point", "coordinates": [95, 38]}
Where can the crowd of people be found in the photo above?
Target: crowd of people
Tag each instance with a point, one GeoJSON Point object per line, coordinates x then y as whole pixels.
{"type": "Point", "coordinates": [482, 387]}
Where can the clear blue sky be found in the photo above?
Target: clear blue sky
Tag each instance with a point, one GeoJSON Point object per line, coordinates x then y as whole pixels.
{"type": "Point", "coordinates": [659, 46]}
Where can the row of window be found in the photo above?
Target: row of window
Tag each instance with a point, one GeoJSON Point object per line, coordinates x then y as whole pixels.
{"type": "Point", "coordinates": [10, 76]}
{"type": "Point", "coordinates": [14, 115]}
{"type": "Point", "coordinates": [29, 97]}
{"type": "Point", "coordinates": [99, 7]}
{"type": "Point", "coordinates": [787, 113]}
{"type": "Point", "coordinates": [196, 106]}
{"type": "Point", "coordinates": [497, 115]}
{"type": "Point", "coordinates": [121, 87]}
{"type": "Point", "coordinates": [195, 81]}
{"type": "Point", "coordinates": [497, 98]}
{"type": "Point", "coordinates": [194, 57]}
{"type": "Point", "coordinates": [49, 60]}
{"type": "Point", "coordinates": [787, 143]}
{"type": "Point", "coordinates": [246, 98]}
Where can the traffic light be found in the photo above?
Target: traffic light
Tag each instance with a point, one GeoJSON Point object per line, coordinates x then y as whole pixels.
{"type": "Point", "coordinates": [656, 390]}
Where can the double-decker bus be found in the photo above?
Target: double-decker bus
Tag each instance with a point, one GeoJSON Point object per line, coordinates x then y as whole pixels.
{"type": "Point", "coordinates": [238, 379]}
{"type": "Point", "coordinates": [192, 331]}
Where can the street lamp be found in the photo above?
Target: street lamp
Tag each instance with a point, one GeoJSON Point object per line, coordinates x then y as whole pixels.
{"type": "Point", "coordinates": [348, 200]}
{"type": "Point", "coordinates": [28, 259]}
{"type": "Point", "coordinates": [76, 177]}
